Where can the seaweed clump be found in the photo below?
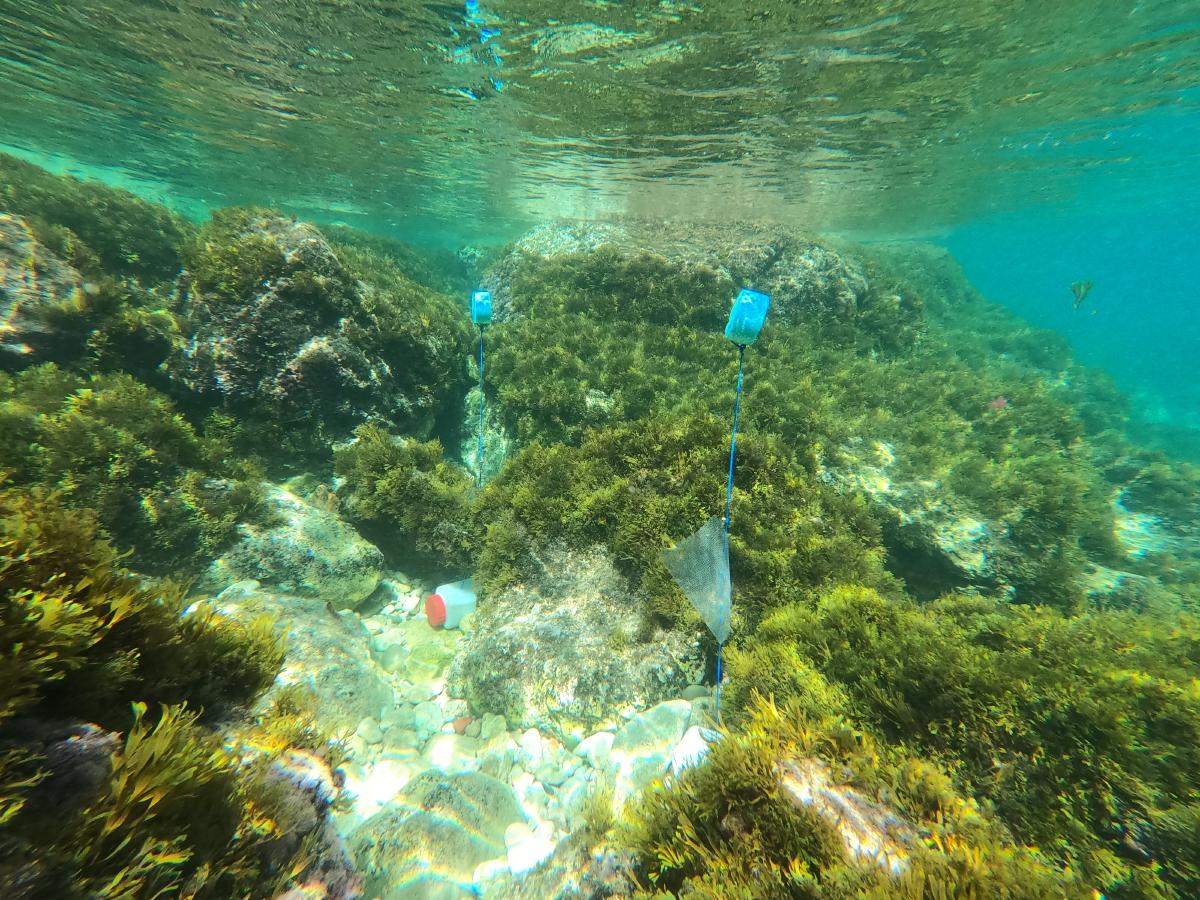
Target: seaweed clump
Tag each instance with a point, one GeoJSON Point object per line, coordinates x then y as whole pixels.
{"type": "Point", "coordinates": [111, 444]}
{"type": "Point", "coordinates": [1081, 733]}
{"type": "Point", "coordinates": [989, 428]}
{"type": "Point", "coordinates": [95, 227]}
{"type": "Point", "coordinates": [407, 499]}
{"type": "Point", "coordinates": [637, 487]}
{"type": "Point", "coordinates": [91, 650]}
{"type": "Point", "coordinates": [803, 805]}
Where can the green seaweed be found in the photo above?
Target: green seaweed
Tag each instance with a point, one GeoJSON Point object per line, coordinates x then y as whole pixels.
{"type": "Point", "coordinates": [406, 498]}
{"type": "Point", "coordinates": [95, 227]}
{"type": "Point", "coordinates": [111, 444]}
{"type": "Point", "coordinates": [176, 809]}
{"type": "Point", "coordinates": [1079, 732]}
{"type": "Point", "coordinates": [601, 340]}
{"type": "Point", "coordinates": [638, 487]}
{"type": "Point", "coordinates": [729, 828]}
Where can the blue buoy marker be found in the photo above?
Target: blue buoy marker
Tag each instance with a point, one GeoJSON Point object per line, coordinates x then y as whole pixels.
{"type": "Point", "coordinates": [700, 562]}
{"type": "Point", "coordinates": [481, 315]}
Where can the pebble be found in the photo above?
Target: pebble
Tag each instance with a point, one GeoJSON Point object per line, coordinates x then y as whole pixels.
{"type": "Point", "coordinates": [527, 848]}
{"type": "Point", "coordinates": [369, 730]}
{"type": "Point", "coordinates": [690, 750]}
{"type": "Point", "coordinates": [492, 725]}
{"type": "Point", "coordinates": [531, 746]}
{"type": "Point", "coordinates": [427, 717]}
{"type": "Point", "coordinates": [398, 716]}
{"type": "Point", "coordinates": [392, 658]}
{"type": "Point", "coordinates": [596, 749]}
{"type": "Point", "coordinates": [452, 753]}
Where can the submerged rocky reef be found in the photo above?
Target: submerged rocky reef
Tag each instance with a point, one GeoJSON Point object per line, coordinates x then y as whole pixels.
{"type": "Point", "coordinates": [965, 647]}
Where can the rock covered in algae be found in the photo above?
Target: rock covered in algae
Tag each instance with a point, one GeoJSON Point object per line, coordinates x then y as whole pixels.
{"type": "Point", "coordinates": [560, 653]}
{"type": "Point", "coordinates": [305, 550]}
{"type": "Point", "coordinates": [805, 278]}
{"type": "Point", "coordinates": [326, 652]}
{"type": "Point", "coordinates": [426, 844]}
{"type": "Point", "coordinates": [33, 280]}
{"type": "Point", "coordinates": [279, 320]}
{"type": "Point", "coordinates": [936, 543]}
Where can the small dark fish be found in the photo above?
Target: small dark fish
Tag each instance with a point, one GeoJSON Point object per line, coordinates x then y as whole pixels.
{"type": "Point", "coordinates": [1080, 290]}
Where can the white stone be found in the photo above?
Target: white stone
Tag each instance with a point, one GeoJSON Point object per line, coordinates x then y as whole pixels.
{"type": "Point", "coordinates": [531, 747]}
{"type": "Point", "coordinates": [427, 718]}
{"type": "Point", "coordinates": [659, 725]}
{"type": "Point", "coordinates": [488, 870]}
{"type": "Point", "coordinates": [517, 833]}
{"type": "Point", "coordinates": [492, 725]}
{"type": "Point", "coordinates": [375, 786]}
{"type": "Point", "coordinates": [452, 753]}
{"type": "Point", "coordinates": [392, 659]}
{"type": "Point", "coordinates": [498, 755]}
{"type": "Point", "coordinates": [402, 739]}
{"type": "Point", "coordinates": [571, 797]}
{"type": "Point", "coordinates": [690, 750]}
{"type": "Point", "coordinates": [369, 730]}
{"type": "Point", "coordinates": [596, 749]}
{"type": "Point", "coordinates": [399, 715]}
{"type": "Point", "coordinates": [527, 849]}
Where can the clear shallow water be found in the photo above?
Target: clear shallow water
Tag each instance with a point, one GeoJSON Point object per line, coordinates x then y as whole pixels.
{"type": "Point", "coordinates": [1043, 143]}
{"type": "Point", "coordinates": [881, 117]}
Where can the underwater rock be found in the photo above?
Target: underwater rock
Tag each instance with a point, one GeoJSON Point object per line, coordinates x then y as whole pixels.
{"type": "Point", "coordinates": [276, 320]}
{"type": "Point", "coordinates": [33, 281]}
{"type": "Point", "coordinates": [575, 871]}
{"type": "Point", "coordinates": [868, 830]}
{"type": "Point", "coordinates": [805, 278]}
{"type": "Point", "coordinates": [428, 843]}
{"type": "Point", "coordinates": [307, 550]}
{"type": "Point", "coordinates": [934, 544]}
{"type": "Point", "coordinates": [309, 789]}
{"type": "Point", "coordinates": [558, 654]}
{"type": "Point", "coordinates": [497, 442]}
{"type": "Point", "coordinates": [324, 651]}
{"type": "Point", "coordinates": [644, 748]}
{"type": "Point", "coordinates": [76, 761]}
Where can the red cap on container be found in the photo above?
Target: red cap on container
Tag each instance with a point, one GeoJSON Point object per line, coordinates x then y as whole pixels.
{"type": "Point", "coordinates": [435, 610]}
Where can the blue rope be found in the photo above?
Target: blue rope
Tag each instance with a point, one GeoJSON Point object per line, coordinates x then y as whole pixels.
{"type": "Point", "coordinates": [479, 459]}
{"type": "Point", "coordinates": [737, 409]}
{"type": "Point", "coordinates": [720, 647]}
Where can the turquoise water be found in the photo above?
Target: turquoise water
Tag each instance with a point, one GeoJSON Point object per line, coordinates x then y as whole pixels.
{"type": "Point", "coordinates": [1037, 143]}
{"type": "Point", "coordinates": [305, 596]}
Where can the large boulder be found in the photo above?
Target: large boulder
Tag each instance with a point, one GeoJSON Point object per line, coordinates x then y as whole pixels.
{"type": "Point", "coordinates": [807, 279]}
{"type": "Point", "coordinates": [33, 282]}
{"type": "Point", "coordinates": [326, 652]}
{"type": "Point", "coordinates": [280, 320]}
{"type": "Point", "coordinates": [304, 549]}
{"type": "Point", "coordinates": [426, 844]}
{"type": "Point", "coordinates": [561, 653]}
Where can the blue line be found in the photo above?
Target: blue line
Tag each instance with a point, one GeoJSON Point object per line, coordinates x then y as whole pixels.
{"type": "Point", "coordinates": [737, 408]}
{"type": "Point", "coordinates": [720, 649]}
{"type": "Point", "coordinates": [479, 459]}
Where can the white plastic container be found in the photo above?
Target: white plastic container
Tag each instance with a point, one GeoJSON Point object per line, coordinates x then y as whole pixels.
{"type": "Point", "coordinates": [450, 604]}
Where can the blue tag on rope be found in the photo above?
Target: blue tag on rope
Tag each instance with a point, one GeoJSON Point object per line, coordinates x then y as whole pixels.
{"type": "Point", "coordinates": [747, 316]}
{"type": "Point", "coordinates": [481, 307]}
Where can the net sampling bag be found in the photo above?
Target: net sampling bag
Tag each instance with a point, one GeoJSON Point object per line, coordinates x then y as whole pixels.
{"type": "Point", "coordinates": [700, 565]}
